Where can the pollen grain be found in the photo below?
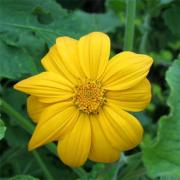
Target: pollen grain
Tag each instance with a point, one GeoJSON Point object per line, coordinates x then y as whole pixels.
{"type": "Point", "coordinates": [89, 97]}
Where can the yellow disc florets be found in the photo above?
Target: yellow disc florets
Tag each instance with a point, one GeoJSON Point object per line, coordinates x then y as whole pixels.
{"type": "Point", "coordinates": [89, 97]}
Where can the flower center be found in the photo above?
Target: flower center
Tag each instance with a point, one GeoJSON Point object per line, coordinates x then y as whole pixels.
{"type": "Point", "coordinates": [89, 97]}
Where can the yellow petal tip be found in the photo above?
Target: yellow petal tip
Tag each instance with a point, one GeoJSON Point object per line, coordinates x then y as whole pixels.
{"type": "Point", "coordinates": [32, 145]}
{"type": "Point", "coordinates": [15, 86]}
{"type": "Point", "coordinates": [18, 86]}
{"type": "Point", "coordinates": [149, 59]}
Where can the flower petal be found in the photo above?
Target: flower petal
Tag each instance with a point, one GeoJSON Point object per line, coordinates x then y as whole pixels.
{"type": "Point", "coordinates": [62, 59]}
{"type": "Point", "coordinates": [101, 149]}
{"type": "Point", "coordinates": [94, 50]}
{"type": "Point", "coordinates": [35, 108]}
{"type": "Point", "coordinates": [122, 130]}
{"type": "Point", "coordinates": [74, 148]}
{"type": "Point", "coordinates": [55, 122]}
{"type": "Point", "coordinates": [132, 99]}
{"type": "Point", "coordinates": [47, 86]}
{"type": "Point", "coordinates": [68, 50]}
{"type": "Point", "coordinates": [52, 61]}
{"type": "Point", "coordinates": [125, 70]}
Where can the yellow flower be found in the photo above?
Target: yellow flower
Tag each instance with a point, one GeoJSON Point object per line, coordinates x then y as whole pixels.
{"type": "Point", "coordinates": [82, 98]}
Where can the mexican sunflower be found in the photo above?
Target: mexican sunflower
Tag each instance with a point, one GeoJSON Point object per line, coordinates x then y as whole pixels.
{"type": "Point", "coordinates": [82, 99]}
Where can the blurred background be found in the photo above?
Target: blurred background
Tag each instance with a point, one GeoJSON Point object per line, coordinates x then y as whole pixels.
{"type": "Point", "coordinates": [28, 28]}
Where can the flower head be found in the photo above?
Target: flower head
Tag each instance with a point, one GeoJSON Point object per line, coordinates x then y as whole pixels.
{"type": "Point", "coordinates": [82, 99]}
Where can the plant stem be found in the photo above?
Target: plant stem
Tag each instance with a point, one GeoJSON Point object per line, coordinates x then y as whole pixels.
{"type": "Point", "coordinates": [146, 28]}
{"type": "Point", "coordinates": [129, 30]}
{"type": "Point", "coordinates": [42, 165]}
{"type": "Point", "coordinates": [122, 161]}
{"type": "Point", "coordinates": [29, 127]}
{"type": "Point", "coordinates": [24, 123]}
{"type": "Point", "coordinates": [20, 119]}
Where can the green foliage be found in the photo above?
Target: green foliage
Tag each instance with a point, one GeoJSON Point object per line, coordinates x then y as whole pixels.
{"type": "Point", "coordinates": [162, 157]}
{"type": "Point", "coordinates": [15, 62]}
{"type": "Point", "coordinates": [116, 5]}
{"type": "Point", "coordinates": [172, 20]}
{"type": "Point", "coordinates": [23, 177]}
{"type": "Point", "coordinates": [2, 129]}
{"type": "Point", "coordinates": [49, 20]}
{"type": "Point", "coordinates": [28, 28]}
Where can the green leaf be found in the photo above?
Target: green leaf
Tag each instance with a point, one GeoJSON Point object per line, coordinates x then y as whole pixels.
{"type": "Point", "coordinates": [154, 7]}
{"type": "Point", "coordinates": [165, 1]}
{"type": "Point", "coordinates": [171, 18]}
{"type": "Point", "coordinates": [49, 20]}
{"type": "Point", "coordinates": [9, 155]}
{"type": "Point", "coordinates": [133, 169]}
{"type": "Point", "coordinates": [20, 140]}
{"type": "Point", "coordinates": [23, 177]}
{"type": "Point", "coordinates": [15, 62]}
{"type": "Point", "coordinates": [100, 170]}
{"type": "Point", "coordinates": [2, 129]}
{"type": "Point", "coordinates": [117, 6]}
{"type": "Point", "coordinates": [26, 27]}
{"type": "Point", "coordinates": [20, 53]}
{"type": "Point", "coordinates": [106, 22]}
{"type": "Point", "coordinates": [162, 155]}
{"type": "Point", "coordinates": [16, 99]}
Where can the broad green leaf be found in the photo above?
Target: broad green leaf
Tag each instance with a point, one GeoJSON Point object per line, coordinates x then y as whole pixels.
{"type": "Point", "coordinates": [162, 155]}
{"type": "Point", "coordinates": [23, 177]}
{"type": "Point", "coordinates": [171, 18]}
{"type": "Point", "coordinates": [106, 22]}
{"type": "Point", "coordinates": [15, 62]}
{"type": "Point", "coordinates": [49, 20]}
{"type": "Point", "coordinates": [20, 140]}
{"type": "Point", "coordinates": [16, 99]}
{"type": "Point", "coordinates": [2, 129]}
{"type": "Point", "coordinates": [26, 27]}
